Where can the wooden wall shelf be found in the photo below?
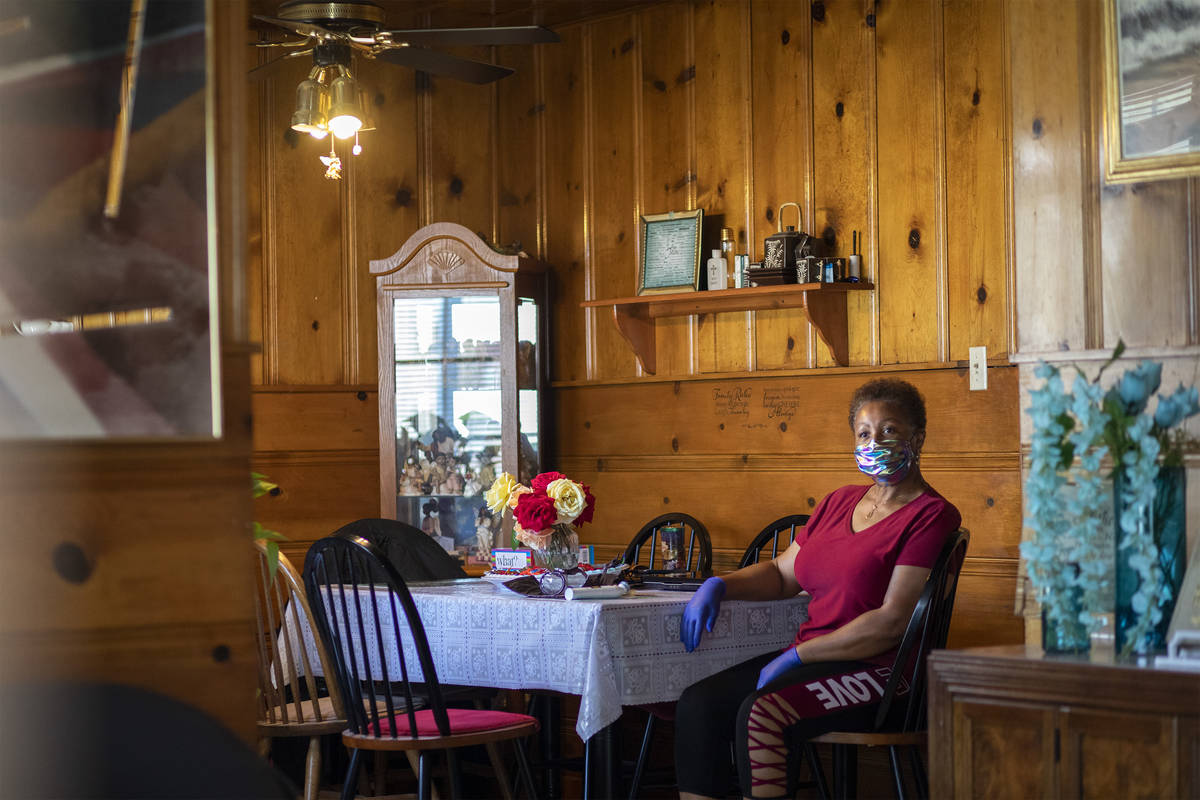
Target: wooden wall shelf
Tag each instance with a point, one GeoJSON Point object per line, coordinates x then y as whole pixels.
{"type": "Point", "coordinates": [823, 303]}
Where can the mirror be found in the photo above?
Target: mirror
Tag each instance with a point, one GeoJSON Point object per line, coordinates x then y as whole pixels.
{"type": "Point", "coordinates": [108, 318]}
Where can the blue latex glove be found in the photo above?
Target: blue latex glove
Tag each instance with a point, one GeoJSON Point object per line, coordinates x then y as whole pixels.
{"type": "Point", "coordinates": [779, 666]}
{"type": "Point", "coordinates": [701, 612]}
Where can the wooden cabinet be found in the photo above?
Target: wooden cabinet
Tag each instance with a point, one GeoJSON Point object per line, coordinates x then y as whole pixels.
{"type": "Point", "coordinates": [462, 372]}
{"type": "Point", "coordinates": [1007, 723]}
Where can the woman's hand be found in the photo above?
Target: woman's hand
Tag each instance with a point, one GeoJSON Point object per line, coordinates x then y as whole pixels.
{"type": "Point", "coordinates": [782, 664]}
{"type": "Point", "coordinates": [701, 612]}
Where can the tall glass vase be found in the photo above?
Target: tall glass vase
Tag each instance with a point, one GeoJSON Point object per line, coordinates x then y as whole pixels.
{"type": "Point", "coordinates": [561, 552]}
{"type": "Point", "coordinates": [1167, 523]}
{"type": "Point", "coordinates": [1068, 635]}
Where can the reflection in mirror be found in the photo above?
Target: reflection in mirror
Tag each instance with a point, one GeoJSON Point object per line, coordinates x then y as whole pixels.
{"type": "Point", "coordinates": [107, 291]}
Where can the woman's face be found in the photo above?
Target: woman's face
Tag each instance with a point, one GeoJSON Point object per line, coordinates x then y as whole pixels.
{"type": "Point", "coordinates": [880, 421]}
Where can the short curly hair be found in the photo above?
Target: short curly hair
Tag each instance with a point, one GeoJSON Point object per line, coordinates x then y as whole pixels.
{"type": "Point", "coordinates": [901, 394]}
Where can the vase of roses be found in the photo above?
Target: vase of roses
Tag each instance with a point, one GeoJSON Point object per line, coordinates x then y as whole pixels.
{"type": "Point", "coordinates": [1082, 568]}
{"type": "Point", "coordinates": [546, 514]}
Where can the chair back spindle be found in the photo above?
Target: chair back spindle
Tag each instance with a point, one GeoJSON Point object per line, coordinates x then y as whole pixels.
{"type": "Point", "coordinates": [699, 544]}
{"type": "Point", "coordinates": [365, 612]}
{"type": "Point", "coordinates": [788, 526]}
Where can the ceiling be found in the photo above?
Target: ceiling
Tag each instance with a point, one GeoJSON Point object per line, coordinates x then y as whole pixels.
{"type": "Point", "coordinates": [463, 13]}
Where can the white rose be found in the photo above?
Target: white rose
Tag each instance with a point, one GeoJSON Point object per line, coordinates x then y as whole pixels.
{"type": "Point", "coordinates": [569, 499]}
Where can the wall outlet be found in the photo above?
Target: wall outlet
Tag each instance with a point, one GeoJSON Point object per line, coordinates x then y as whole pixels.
{"type": "Point", "coordinates": [978, 357]}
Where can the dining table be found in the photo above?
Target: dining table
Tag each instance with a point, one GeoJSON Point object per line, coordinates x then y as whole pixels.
{"type": "Point", "coordinates": [612, 653]}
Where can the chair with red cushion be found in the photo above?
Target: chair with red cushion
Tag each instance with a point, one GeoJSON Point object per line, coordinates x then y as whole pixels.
{"type": "Point", "coordinates": [367, 618]}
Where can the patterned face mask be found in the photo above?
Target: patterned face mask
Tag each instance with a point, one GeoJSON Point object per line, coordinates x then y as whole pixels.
{"type": "Point", "coordinates": [888, 462]}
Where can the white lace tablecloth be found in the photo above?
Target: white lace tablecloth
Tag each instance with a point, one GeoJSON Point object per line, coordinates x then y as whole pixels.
{"type": "Point", "coordinates": [611, 653]}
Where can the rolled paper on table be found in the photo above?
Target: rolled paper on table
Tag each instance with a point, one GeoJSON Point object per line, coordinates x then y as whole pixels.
{"type": "Point", "coordinates": [597, 592]}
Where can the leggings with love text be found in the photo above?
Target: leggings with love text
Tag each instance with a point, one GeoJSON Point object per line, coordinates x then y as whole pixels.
{"type": "Point", "coordinates": [725, 711]}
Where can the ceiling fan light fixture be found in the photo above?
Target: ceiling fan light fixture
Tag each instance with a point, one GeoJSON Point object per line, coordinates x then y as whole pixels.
{"type": "Point", "coordinates": [345, 115]}
{"type": "Point", "coordinates": [312, 104]}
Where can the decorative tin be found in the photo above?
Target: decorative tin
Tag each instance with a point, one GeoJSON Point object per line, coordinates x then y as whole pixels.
{"type": "Point", "coordinates": [808, 270]}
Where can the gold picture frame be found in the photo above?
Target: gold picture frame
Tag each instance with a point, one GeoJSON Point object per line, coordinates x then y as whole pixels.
{"type": "Point", "coordinates": [670, 254]}
{"type": "Point", "coordinates": [1151, 96]}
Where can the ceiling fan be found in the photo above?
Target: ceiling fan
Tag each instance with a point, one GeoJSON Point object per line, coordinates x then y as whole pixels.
{"type": "Point", "coordinates": [330, 32]}
{"type": "Point", "coordinates": [330, 100]}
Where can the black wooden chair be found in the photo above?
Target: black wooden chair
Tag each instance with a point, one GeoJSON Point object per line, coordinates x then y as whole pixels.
{"type": "Point", "coordinates": [699, 564]}
{"type": "Point", "coordinates": [900, 721]}
{"type": "Point", "coordinates": [417, 557]}
{"type": "Point", "coordinates": [414, 554]}
{"type": "Point", "coordinates": [645, 545]}
{"type": "Point", "coordinates": [364, 614]}
{"type": "Point", "coordinates": [782, 530]}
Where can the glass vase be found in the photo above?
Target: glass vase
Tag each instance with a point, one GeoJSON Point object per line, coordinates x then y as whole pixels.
{"type": "Point", "coordinates": [1068, 635]}
{"type": "Point", "coordinates": [1167, 524]}
{"type": "Point", "coordinates": [561, 552]}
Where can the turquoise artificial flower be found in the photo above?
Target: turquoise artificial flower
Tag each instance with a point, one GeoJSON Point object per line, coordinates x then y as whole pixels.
{"type": "Point", "coordinates": [1177, 407]}
{"type": "Point", "coordinates": [1136, 386]}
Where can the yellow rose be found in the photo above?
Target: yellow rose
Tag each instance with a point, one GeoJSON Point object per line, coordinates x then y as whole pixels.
{"type": "Point", "coordinates": [497, 496]}
{"type": "Point", "coordinates": [569, 499]}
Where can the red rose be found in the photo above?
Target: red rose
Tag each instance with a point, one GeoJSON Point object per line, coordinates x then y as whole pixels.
{"type": "Point", "coordinates": [535, 512]}
{"type": "Point", "coordinates": [539, 483]}
{"type": "Point", "coordinates": [588, 506]}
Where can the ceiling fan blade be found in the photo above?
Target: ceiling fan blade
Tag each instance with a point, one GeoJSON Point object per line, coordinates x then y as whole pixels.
{"type": "Point", "coordinates": [444, 64]}
{"type": "Point", "coordinates": [268, 69]}
{"type": "Point", "coordinates": [445, 37]}
{"type": "Point", "coordinates": [298, 28]}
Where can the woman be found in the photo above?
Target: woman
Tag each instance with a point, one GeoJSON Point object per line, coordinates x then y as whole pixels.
{"type": "Point", "coordinates": [863, 557]}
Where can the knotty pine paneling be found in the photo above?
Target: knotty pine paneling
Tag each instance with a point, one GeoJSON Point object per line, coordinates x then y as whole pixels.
{"type": "Point", "coordinates": [911, 231]}
{"type": "Point", "coordinates": [977, 164]}
{"type": "Point", "coordinates": [768, 415]}
{"type": "Point", "coordinates": [721, 35]}
{"type": "Point", "coordinates": [733, 105]}
{"type": "Point", "coordinates": [319, 492]}
{"type": "Point", "coordinates": [321, 446]}
{"type": "Point", "coordinates": [1146, 240]}
{"type": "Point", "coordinates": [519, 109]}
{"type": "Point", "coordinates": [781, 148]}
{"type": "Point", "coordinates": [459, 128]}
{"type": "Point", "coordinates": [345, 418]}
{"type": "Point", "coordinates": [564, 236]}
{"type": "Point", "coordinates": [383, 207]}
{"type": "Point", "coordinates": [302, 248]}
{"type": "Point", "coordinates": [613, 83]}
{"type": "Point", "coordinates": [844, 173]}
{"type": "Point", "coordinates": [1049, 173]}
{"type": "Point", "coordinates": [667, 147]}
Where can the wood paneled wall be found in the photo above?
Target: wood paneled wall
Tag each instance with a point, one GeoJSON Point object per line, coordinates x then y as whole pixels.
{"type": "Point", "coordinates": [887, 118]}
{"type": "Point", "coordinates": [1095, 263]}
{"type": "Point", "coordinates": [129, 561]}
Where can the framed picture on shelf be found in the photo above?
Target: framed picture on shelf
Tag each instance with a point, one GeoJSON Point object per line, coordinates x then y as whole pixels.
{"type": "Point", "coordinates": [670, 257]}
{"type": "Point", "coordinates": [1151, 92]}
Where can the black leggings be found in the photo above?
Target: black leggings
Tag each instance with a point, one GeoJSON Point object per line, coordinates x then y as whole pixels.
{"type": "Point", "coordinates": [725, 711]}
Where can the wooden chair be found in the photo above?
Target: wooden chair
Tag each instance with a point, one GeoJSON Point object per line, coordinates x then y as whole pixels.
{"type": "Point", "coordinates": [290, 702]}
{"type": "Point", "coordinates": [699, 544]}
{"type": "Point", "coordinates": [905, 727]}
{"type": "Point", "coordinates": [699, 564]}
{"type": "Point", "coordinates": [365, 614]}
{"type": "Point", "coordinates": [769, 537]}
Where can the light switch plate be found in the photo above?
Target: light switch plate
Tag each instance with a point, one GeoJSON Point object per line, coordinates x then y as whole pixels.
{"type": "Point", "coordinates": [978, 357]}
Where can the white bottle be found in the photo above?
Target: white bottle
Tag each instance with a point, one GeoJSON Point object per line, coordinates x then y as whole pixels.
{"type": "Point", "coordinates": [717, 276]}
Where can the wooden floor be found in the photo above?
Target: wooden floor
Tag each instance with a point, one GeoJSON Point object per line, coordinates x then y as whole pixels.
{"type": "Point", "coordinates": [874, 778]}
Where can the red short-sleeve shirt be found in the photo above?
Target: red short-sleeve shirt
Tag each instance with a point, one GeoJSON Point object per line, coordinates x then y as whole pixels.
{"type": "Point", "coordinates": [847, 573]}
